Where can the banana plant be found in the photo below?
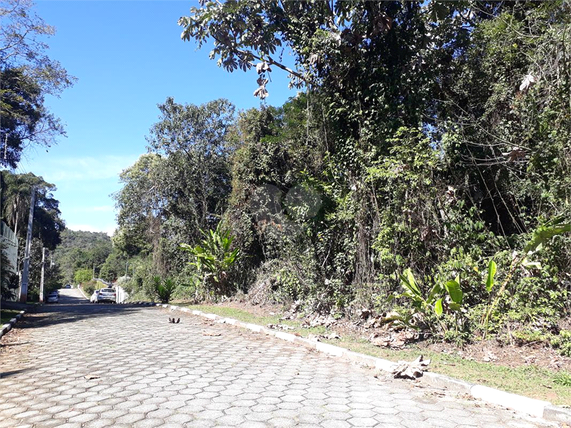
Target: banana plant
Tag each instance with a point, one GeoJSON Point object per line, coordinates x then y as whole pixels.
{"type": "Point", "coordinates": [213, 259]}
{"type": "Point", "coordinates": [434, 300]}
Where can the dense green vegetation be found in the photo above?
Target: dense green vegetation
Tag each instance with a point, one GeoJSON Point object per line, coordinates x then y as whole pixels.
{"type": "Point", "coordinates": [425, 167]}
{"type": "Point", "coordinates": [82, 254]}
{"type": "Point", "coordinates": [47, 227]}
{"type": "Point", "coordinates": [7, 314]}
{"type": "Point", "coordinates": [27, 75]}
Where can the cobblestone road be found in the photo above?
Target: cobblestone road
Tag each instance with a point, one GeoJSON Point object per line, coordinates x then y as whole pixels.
{"type": "Point", "coordinates": [83, 365]}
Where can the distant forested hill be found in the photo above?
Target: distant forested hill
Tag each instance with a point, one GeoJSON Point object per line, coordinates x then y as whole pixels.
{"type": "Point", "coordinates": [81, 250]}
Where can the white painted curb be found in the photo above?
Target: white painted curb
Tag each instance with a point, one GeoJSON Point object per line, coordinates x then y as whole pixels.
{"type": "Point", "coordinates": [8, 326]}
{"type": "Point", "coordinates": [513, 401]}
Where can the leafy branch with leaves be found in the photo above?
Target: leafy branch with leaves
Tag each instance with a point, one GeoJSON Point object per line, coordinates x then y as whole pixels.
{"type": "Point", "coordinates": [213, 260]}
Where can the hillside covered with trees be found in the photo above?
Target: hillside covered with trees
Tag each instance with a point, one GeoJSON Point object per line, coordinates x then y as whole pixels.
{"type": "Point", "coordinates": [424, 167]}
{"type": "Point", "coordinates": [81, 254]}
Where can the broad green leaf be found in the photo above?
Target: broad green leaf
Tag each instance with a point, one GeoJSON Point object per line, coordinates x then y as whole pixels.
{"type": "Point", "coordinates": [545, 233]}
{"type": "Point", "coordinates": [491, 273]}
{"type": "Point", "coordinates": [438, 307]}
{"type": "Point", "coordinates": [407, 280]}
{"type": "Point", "coordinates": [454, 290]}
{"type": "Point", "coordinates": [437, 289]}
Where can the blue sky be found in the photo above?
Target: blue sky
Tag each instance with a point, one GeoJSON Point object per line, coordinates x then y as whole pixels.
{"type": "Point", "coordinates": [128, 57]}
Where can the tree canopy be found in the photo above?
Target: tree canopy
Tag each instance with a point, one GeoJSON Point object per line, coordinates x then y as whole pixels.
{"type": "Point", "coordinates": [180, 186]}
{"type": "Point", "coordinates": [27, 74]}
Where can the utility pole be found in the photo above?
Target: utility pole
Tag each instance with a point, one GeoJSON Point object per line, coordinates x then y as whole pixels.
{"type": "Point", "coordinates": [42, 277]}
{"type": "Point", "coordinates": [1, 226]}
{"type": "Point", "coordinates": [26, 272]}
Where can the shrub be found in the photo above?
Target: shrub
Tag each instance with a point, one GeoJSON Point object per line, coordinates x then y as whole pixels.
{"type": "Point", "coordinates": [163, 289]}
{"type": "Point", "coordinates": [212, 262]}
{"type": "Point", "coordinates": [83, 275]}
{"type": "Point", "coordinates": [89, 288]}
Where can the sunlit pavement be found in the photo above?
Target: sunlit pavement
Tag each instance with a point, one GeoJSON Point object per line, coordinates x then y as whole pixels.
{"type": "Point", "coordinates": [86, 365]}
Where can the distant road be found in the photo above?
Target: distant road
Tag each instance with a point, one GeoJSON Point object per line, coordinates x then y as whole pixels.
{"type": "Point", "coordinates": [69, 296]}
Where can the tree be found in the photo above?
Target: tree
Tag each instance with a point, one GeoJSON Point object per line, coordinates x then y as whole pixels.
{"type": "Point", "coordinates": [8, 279]}
{"type": "Point", "coordinates": [27, 74]}
{"type": "Point", "coordinates": [53, 278]}
{"type": "Point", "coordinates": [139, 204]}
{"type": "Point", "coordinates": [114, 266]}
{"type": "Point", "coordinates": [23, 117]}
{"type": "Point", "coordinates": [180, 186]}
{"type": "Point", "coordinates": [364, 66]}
{"type": "Point", "coordinates": [83, 275]}
{"type": "Point", "coordinates": [194, 141]}
{"type": "Point", "coordinates": [47, 225]}
{"type": "Point", "coordinates": [17, 193]}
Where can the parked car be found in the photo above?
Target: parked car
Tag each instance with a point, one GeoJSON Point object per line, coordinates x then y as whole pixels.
{"type": "Point", "coordinates": [67, 286]}
{"type": "Point", "coordinates": [94, 297]}
{"type": "Point", "coordinates": [107, 295]}
{"type": "Point", "coordinates": [53, 297]}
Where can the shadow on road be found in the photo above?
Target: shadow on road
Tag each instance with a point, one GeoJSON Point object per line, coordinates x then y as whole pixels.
{"type": "Point", "coordinates": [8, 345]}
{"type": "Point", "coordinates": [72, 307]}
{"type": "Point", "coordinates": [67, 299]}
{"type": "Point", "coordinates": [12, 373]}
{"type": "Point", "coordinates": [70, 313]}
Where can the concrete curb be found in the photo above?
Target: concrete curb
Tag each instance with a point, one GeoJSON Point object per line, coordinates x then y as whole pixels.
{"type": "Point", "coordinates": [530, 406]}
{"type": "Point", "coordinates": [139, 303]}
{"type": "Point", "coordinates": [83, 293]}
{"type": "Point", "coordinates": [7, 327]}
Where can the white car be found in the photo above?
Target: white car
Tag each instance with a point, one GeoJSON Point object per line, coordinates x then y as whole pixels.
{"type": "Point", "coordinates": [107, 295]}
{"type": "Point", "coordinates": [53, 297]}
{"type": "Point", "coordinates": [94, 297]}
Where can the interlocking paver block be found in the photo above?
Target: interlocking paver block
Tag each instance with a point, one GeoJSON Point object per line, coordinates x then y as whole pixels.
{"type": "Point", "coordinates": [85, 417]}
{"type": "Point", "coordinates": [70, 425]}
{"type": "Point", "coordinates": [148, 423]}
{"type": "Point", "coordinates": [99, 423]}
{"type": "Point", "coordinates": [144, 408]}
{"type": "Point", "coordinates": [27, 414]}
{"type": "Point", "coordinates": [231, 420]}
{"type": "Point", "coordinates": [335, 424]}
{"type": "Point", "coordinates": [203, 423]}
{"type": "Point", "coordinates": [362, 422]}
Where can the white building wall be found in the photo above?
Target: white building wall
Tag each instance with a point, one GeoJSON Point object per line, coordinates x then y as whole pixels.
{"type": "Point", "coordinates": [11, 245]}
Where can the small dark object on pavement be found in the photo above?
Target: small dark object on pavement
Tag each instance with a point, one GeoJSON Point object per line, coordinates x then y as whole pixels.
{"type": "Point", "coordinates": [174, 321]}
